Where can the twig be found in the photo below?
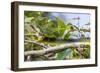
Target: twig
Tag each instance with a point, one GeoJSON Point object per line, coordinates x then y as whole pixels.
{"type": "Point", "coordinates": [30, 34]}
{"type": "Point", "coordinates": [35, 42]}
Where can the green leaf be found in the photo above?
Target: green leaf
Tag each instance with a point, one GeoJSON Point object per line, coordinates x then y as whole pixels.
{"type": "Point", "coordinates": [76, 54]}
{"type": "Point", "coordinates": [62, 55]}
{"type": "Point", "coordinates": [86, 53]}
{"type": "Point", "coordinates": [61, 23]}
{"type": "Point", "coordinates": [67, 36]}
{"type": "Point", "coordinates": [33, 13]}
{"type": "Point", "coordinates": [28, 19]}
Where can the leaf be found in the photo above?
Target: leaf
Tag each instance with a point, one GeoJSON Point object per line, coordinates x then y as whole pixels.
{"type": "Point", "coordinates": [61, 23]}
{"type": "Point", "coordinates": [62, 55]}
{"type": "Point", "coordinates": [88, 23]}
{"type": "Point", "coordinates": [70, 29]}
{"type": "Point", "coordinates": [67, 36]}
{"type": "Point", "coordinates": [76, 54]}
{"type": "Point", "coordinates": [86, 53]}
{"type": "Point", "coordinates": [28, 19]}
{"type": "Point", "coordinates": [33, 13]}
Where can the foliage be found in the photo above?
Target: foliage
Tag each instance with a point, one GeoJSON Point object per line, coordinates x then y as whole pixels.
{"type": "Point", "coordinates": [40, 27]}
{"type": "Point", "coordinates": [62, 55]}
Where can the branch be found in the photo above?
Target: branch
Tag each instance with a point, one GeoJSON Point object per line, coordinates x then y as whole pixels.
{"type": "Point", "coordinates": [37, 43]}
{"type": "Point", "coordinates": [56, 48]}
{"type": "Point", "coordinates": [30, 34]}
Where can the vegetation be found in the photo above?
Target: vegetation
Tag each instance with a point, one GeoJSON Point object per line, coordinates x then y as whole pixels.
{"type": "Point", "coordinates": [50, 38]}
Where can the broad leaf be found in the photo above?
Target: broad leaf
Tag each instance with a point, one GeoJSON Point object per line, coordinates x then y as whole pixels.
{"type": "Point", "coordinates": [62, 55]}
{"type": "Point", "coordinates": [61, 23]}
